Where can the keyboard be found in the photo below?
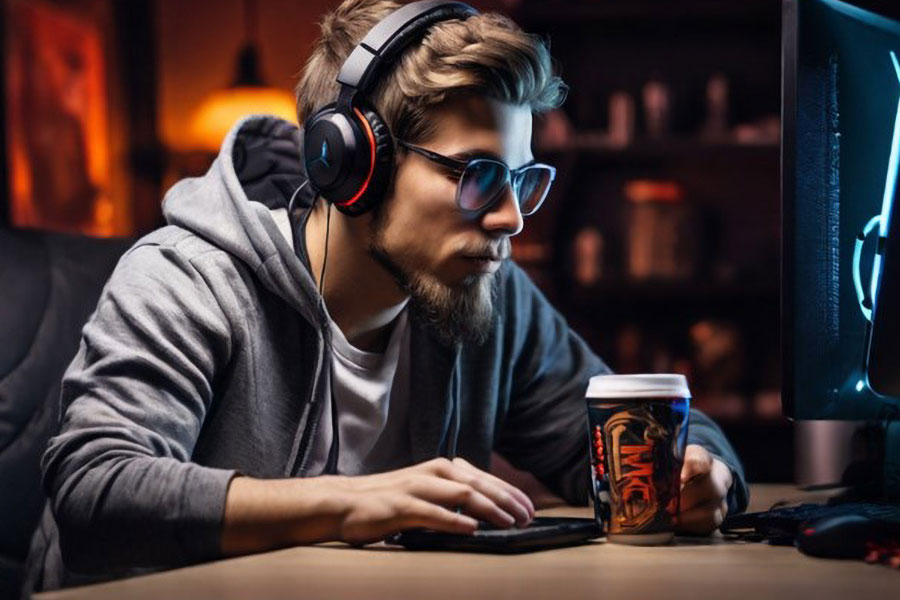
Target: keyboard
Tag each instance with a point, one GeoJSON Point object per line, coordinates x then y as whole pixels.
{"type": "Point", "coordinates": [540, 525]}
{"type": "Point", "coordinates": [781, 525]}
{"type": "Point", "coordinates": [542, 533]}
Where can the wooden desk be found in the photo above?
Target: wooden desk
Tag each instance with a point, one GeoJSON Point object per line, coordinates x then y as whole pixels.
{"type": "Point", "coordinates": [693, 568]}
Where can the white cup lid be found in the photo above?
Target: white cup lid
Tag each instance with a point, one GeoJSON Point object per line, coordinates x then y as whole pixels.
{"type": "Point", "coordinates": [653, 385]}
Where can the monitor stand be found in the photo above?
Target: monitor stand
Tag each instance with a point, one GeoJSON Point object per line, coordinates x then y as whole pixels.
{"type": "Point", "coordinates": [873, 475]}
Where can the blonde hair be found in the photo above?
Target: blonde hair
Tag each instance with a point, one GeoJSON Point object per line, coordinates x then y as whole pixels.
{"type": "Point", "coordinates": [487, 55]}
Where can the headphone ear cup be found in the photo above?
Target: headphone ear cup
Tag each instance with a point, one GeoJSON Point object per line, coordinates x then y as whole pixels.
{"type": "Point", "coordinates": [330, 147]}
{"type": "Point", "coordinates": [380, 179]}
{"type": "Point", "coordinates": [349, 157]}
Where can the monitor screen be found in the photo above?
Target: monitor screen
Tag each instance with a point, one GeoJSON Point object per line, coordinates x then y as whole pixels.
{"type": "Point", "coordinates": [840, 155]}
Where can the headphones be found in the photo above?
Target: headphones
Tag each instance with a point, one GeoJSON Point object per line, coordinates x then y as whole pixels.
{"type": "Point", "coordinates": [348, 149]}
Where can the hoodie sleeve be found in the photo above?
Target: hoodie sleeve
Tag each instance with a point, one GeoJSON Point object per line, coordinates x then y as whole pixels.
{"type": "Point", "coordinates": [545, 429]}
{"type": "Point", "coordinates": [703, 431]}
{"type": "Point", "coordinates": [118, 475]}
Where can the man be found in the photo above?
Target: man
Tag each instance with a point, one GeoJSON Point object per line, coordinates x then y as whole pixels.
{"type": "Point", "coordinates": [266, 371]}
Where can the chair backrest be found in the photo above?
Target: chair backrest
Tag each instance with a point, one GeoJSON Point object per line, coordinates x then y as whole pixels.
{"type": "Point", "coordinates": [49, 286]}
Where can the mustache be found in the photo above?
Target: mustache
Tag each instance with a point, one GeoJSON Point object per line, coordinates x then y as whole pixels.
{"type": "Point", "coordinates": [498, 250]}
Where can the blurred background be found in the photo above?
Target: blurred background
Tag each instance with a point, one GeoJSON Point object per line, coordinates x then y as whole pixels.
{"type": "Point", "coordinates": [660, 241]}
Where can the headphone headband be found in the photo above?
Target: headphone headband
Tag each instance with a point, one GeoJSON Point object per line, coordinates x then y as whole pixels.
{"type": "Point", "coordinates": [391, 35]}
{"type": "Point", "coordinates": [348, 148]}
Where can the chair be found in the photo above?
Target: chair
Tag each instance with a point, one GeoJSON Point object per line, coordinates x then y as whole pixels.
{"type": "Point", "coordinates": [49, 285]}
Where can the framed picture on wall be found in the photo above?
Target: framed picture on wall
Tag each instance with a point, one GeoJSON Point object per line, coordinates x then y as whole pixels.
{"type": "Point", "coordinates": [57, 124]}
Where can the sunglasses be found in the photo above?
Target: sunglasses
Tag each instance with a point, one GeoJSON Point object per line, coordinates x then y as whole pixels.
{"type": "Point", "coordinates": [482, 181]}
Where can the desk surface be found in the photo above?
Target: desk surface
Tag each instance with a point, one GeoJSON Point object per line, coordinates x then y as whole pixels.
{"type": "Point", "coordinates": [692, 568]}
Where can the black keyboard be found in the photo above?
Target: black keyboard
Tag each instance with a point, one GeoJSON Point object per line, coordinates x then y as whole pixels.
{"type": "Point", "coordinates": [542, 533]}
{"type": "Point", "coordinates": [781, 525]}
{"type": "Point", "coordinates": [540, 525]}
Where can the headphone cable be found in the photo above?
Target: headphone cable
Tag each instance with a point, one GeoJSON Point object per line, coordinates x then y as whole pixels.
{"type": "Point", "coordinates": [325, 254]}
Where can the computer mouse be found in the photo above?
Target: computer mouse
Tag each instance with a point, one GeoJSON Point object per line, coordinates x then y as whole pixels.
{"type": "Point", "coordinates": [844, 536]}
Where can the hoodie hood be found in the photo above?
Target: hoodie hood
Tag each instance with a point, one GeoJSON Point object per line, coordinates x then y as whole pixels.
{"type": "Point", "coordinates": [258, 168]}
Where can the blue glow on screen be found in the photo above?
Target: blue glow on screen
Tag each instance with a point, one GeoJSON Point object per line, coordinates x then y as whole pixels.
{"type": "Point", "coordinates": [891, 180]}
{"type": "Point", "coordinates": [863, 16]}
{"type": "Point", "coordinates": [889, 185]}
{"type": "Point", "coordinates": [844, 112]}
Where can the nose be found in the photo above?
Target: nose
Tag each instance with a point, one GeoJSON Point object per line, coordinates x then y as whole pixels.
{"type": "Point", "coordinates": [505, 217]}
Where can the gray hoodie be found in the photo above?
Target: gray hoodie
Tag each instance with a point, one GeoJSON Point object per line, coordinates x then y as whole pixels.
{"type": "Point", "coordinates": [207, 356]}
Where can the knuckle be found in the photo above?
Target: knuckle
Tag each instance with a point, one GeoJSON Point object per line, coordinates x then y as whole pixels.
{"type": "Point", "coordinates": [441, 465]}
{"type": "Point", "coordinates": [403, 507]}
{"type": "Point", "coordinates": [406, 508]}
{"type": "Point", "coordinates": [466, 494]}
{"type": "Point", "coordinates": [698, 463]}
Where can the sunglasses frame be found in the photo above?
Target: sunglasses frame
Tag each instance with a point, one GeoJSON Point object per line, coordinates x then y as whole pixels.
{"type": "Point", "coordinates": [459, 167]}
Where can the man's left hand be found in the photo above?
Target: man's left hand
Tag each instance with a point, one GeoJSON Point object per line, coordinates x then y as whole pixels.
{"type": "Point", "coordinates": [705, 482]}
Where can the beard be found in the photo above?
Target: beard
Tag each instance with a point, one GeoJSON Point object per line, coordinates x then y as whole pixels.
{"type": "Point", "coordinates": [457, 314]}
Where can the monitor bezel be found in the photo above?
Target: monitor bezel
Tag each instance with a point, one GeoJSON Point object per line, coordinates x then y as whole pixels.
{"type": "Point", "coordinates": [789, 58]}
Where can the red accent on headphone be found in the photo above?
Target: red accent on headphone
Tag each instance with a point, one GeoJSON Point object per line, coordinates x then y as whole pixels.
{"type": "Point", "coordinates": [371, 137]}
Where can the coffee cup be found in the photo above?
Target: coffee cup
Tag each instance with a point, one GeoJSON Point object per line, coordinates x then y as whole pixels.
{"type": "Point", "coordinates": [638, 427]}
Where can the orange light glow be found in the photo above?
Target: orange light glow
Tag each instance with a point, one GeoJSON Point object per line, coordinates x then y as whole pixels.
{"type": "Point", "coordinates": [222, 108]}
{"type": "Point", "coordinates": [58, 134]}
{"type": "Point", "coordinates": [644, 190]}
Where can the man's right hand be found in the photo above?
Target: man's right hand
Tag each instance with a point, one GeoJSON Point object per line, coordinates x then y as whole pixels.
{"type": "Point", "coordinates": [439, 494]}
{"type": "Point", "coordinates": [426, 495]}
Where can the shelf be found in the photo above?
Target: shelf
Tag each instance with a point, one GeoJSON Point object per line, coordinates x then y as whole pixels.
{"type": "Point", "coordinates": [667, 301]}
{"type": "Point", "coordinates": [755, 423]}
{"type": "Point", "coordinates": [665, 290]}
{"type": "Point", "coordinates": [675, 147]}
{"type": "Point", "coordinates": [586, 12]}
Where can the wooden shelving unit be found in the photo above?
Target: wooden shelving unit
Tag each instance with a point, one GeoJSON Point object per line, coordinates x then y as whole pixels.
{"type": "Point", "coordinates": [604, 46]}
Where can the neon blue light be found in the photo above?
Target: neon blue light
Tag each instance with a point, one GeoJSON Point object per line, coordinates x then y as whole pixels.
{"type": "Point", "coordinates": [857, 255]}
{"type": "Point", "coordinates": [891, 180]}
{"type": "Point", "coordinates": [890, 183]}
{"type": "Point", "coordinates": [860, 385]}
{"type": "Point", "coordinates": [876, 271]}
{"type": "Point", "coordinates": [857, 280]}
{"type": "Point", "coordinates": [863, 16]}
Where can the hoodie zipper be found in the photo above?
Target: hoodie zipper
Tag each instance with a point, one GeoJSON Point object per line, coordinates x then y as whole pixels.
{"type": "Point", "coordinates": [301, 459]}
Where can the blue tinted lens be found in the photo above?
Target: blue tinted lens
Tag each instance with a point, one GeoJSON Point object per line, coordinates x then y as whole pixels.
{"type": "Point", "coordinates": [481, 182]}
{"type": "Point", "coordinates": [532, 185]}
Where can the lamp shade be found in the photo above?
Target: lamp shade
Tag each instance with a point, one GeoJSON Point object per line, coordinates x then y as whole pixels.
{"type": "Point", "coordinates": [222, 108]}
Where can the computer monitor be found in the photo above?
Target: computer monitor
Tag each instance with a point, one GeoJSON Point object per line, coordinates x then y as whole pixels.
{"type": "Point", "coordinates": [841, 238]}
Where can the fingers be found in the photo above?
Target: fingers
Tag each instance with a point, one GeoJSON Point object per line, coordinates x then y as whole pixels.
{"type": "Point", "coordinates": [470, 500]}
{"type": "Point", "coordinates": [425, 495]}
{"type": "Point", "coordinates": [421, 513]}
{"type": "Point", "coordinates": [698, 491]}
{"type": "Point", "coordinates": [704, 487]}
{"type": "Point", "coordinates": [509, 497]}
{"type": "Point", "coordinates": [705, 482]}
{"type": "Point", "coordinates": [697, 462]}
{"type": "Point", "coordinates": [702, 519]}
{"type": "Point", "coordinates": [373, 520]}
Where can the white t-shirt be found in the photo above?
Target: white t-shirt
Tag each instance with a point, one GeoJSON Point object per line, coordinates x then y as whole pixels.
{"type": "Point", "coordinates": [371, 392]}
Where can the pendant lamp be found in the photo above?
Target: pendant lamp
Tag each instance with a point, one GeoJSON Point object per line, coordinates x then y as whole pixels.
{"type": "Point", "coordinates": [248, 94]}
